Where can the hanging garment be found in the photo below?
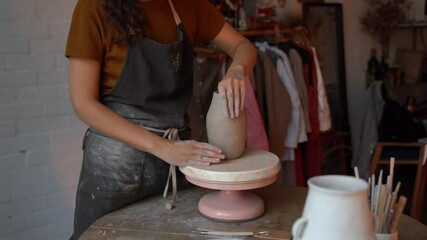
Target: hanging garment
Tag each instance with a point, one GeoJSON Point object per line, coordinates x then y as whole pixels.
{"type": "Point", "coordinates": [300, 177]}
{"type": "Point", "coordinates": [296, 130]}
{"type": "Point", "coordinates": [290, 82]}
{"type": "Point", "coordinates": [256, 137]}
{"type": "Point", "coordinates": [297, 69]}
{"type": "Point", "coordinates": [300, 59]}
{"type": "Point", "coordinates": [311, 150]}
{"type": "Point", "coordinates": [365, 139]}
{"type": "Point", "coordinates": [313, 147]}
{"type": "Point", "coordinates": [274, 102]}
{"type": "Point", "coordinates": [324, 112]}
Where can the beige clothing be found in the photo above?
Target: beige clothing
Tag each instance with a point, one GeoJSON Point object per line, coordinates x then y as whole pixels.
{"type": "Point", "coordinates": [274, 102]}
{"type": "Point", "coordinates": [297, 67]}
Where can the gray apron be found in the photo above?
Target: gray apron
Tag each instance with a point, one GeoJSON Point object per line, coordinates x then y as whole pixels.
{"type": "Point", "coordinates": [153, 91]}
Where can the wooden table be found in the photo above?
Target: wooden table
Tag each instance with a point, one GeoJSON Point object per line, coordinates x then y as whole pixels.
{"type": "Point", "coordinates": [149, 219]}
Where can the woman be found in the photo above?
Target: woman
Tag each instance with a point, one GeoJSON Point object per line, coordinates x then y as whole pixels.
{"type": "Point", "coordinates": [131, 82]}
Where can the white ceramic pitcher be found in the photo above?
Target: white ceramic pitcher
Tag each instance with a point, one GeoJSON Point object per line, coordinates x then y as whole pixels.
{"type": "Point", "coordinates": [336, 208]}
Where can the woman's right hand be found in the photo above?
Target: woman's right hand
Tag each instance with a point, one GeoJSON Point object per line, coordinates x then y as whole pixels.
{"type": "Point", "coordinates": [189, 153]}
{"type": "Point", "coordinates": [84, 91]}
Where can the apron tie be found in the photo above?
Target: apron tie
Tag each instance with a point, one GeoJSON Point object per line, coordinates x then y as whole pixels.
{"type": "Point", "coordinates": [171, 134]}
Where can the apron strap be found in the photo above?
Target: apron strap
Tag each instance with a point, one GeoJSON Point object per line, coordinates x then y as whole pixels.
{"type": "Point", "coordinates": [175, 14]}
{"type": "Point", "coordinates": [171, 134]}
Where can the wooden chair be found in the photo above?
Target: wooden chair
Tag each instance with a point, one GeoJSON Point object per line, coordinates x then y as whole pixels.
{"type": "Point", "coordinates": [336, 154]}
{"type": "Point", "coordinates": [417, 154]}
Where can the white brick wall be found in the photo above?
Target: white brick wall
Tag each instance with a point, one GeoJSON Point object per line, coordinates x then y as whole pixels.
{"type": "Point", "coordinates": [40, 138]}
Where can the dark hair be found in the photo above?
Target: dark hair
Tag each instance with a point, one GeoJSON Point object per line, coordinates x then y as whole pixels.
{"type": "Point", "coordinates": [127, 17]}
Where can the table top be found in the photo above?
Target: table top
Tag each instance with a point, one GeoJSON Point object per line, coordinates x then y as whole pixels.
{"type": "Point", "coordinates": [149, 219]}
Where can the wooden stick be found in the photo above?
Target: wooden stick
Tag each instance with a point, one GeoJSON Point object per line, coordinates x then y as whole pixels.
{"type": "Point", "coordinates": [388, 221]}
{"type": "Point", "coordinates": [389, 184]}
{"type": "Point", "coordinates": [369, 191]}
{"type": "Point", "coordinates": [397, 213]}
{"type": "Point", "coordinates": [393, 200]}
{"type": "Point", "coordinates": [395, 195]}
{"type": "Point", "coordinates": [380, 222]}
{"type": "Point", "coordinates": [396, 190]}
{"type": "Point", "coordinates": [356, 172]}
{"type": "Point", "coordinates": [386, 213]}
{"type": "Point", "coordinates": [392, 162]}
{"type": "Point", "coordinates": [372, 193]}
{"type": "Point", "coordinates": [377, 200]}
{"type": "Point", "coordinates": [369, 188]}
{"type": "Point", "coordinates": [376, 222]}
{"type": "Point", "coordinates": [382, 198]}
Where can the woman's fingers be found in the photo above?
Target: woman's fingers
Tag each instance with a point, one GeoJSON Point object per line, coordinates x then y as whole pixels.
{"type": "Point", "coordinates": [242, 87]}
{"type": "Point", "coordinates": [236, 98]}
{"type": "Point", "coordinates": [232, 92]}
{"type": "Point", "coordinates": [230, 101]}
{"type": "Point", "coordinates": [195, 153]}
{"type": "Point", "coordinates": [208, 152]}
{"type": "Point", "coordinates": [223, 95]}
{"type": "Point", "coordinates": [207, 146]}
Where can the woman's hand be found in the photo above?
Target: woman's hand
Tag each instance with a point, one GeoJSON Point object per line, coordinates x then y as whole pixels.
{"type": "Point", "coordinates": [189, 153]}
{"type": "Point", "coordinates": [232, 88]}
{"type": "Point", "coordinates": [232, 91]}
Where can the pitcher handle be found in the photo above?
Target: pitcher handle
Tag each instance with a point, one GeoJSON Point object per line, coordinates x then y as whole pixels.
{"type": "Point", "coordinates": [298, 228]}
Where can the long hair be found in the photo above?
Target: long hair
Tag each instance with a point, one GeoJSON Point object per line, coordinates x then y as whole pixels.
{"type": "Point", "coordinates": [127, 18]}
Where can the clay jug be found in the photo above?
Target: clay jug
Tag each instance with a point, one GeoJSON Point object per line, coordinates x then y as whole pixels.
{"type": "Point", "coordinates": [228, 134]}
{"type": "Point", "coordinates": [336, 208]}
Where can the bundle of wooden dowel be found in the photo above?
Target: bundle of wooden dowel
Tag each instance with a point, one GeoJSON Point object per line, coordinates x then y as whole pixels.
{"type": "Point", "coordinates": [385, 203]}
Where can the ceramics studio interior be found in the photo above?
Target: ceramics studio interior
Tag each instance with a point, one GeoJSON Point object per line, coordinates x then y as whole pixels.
{"type": "Point", "coordinates": [224, 119]}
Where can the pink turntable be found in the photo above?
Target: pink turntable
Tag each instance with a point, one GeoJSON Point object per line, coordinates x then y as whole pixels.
{"type": "Point", "coordinates": [232, 203]}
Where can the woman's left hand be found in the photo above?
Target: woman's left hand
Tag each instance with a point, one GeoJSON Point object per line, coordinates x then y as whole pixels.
{"type": "Point", "coordinates": [232, 90]}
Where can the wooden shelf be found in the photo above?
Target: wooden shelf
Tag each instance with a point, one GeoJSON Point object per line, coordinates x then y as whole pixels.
{"type": "Point", "coordinates": [218, 54]}
{"type": "Point", "coordinates": [413, 25]}
{"type": "Point", "coordinates": [252, 33]}
{"type": "Point", "coordinates": [400, 162]}
{"type": "Point", "coordinates": [275, 31]}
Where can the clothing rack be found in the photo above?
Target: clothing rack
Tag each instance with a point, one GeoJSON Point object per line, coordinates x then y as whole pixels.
{"type": "Point", "coordinates": [279, 35]}
{"type": "Point", "coordinates": [276, 31]}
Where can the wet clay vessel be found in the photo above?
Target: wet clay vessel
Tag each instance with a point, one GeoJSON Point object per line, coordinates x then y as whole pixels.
{"type": "Point", "coordinates": [242, 169]}
{"type": "Point", "coordinates": [229, 134]}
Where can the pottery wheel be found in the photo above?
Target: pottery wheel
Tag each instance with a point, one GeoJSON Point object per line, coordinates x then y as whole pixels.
{"type": "Point", "coordinates": [254, 169]}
